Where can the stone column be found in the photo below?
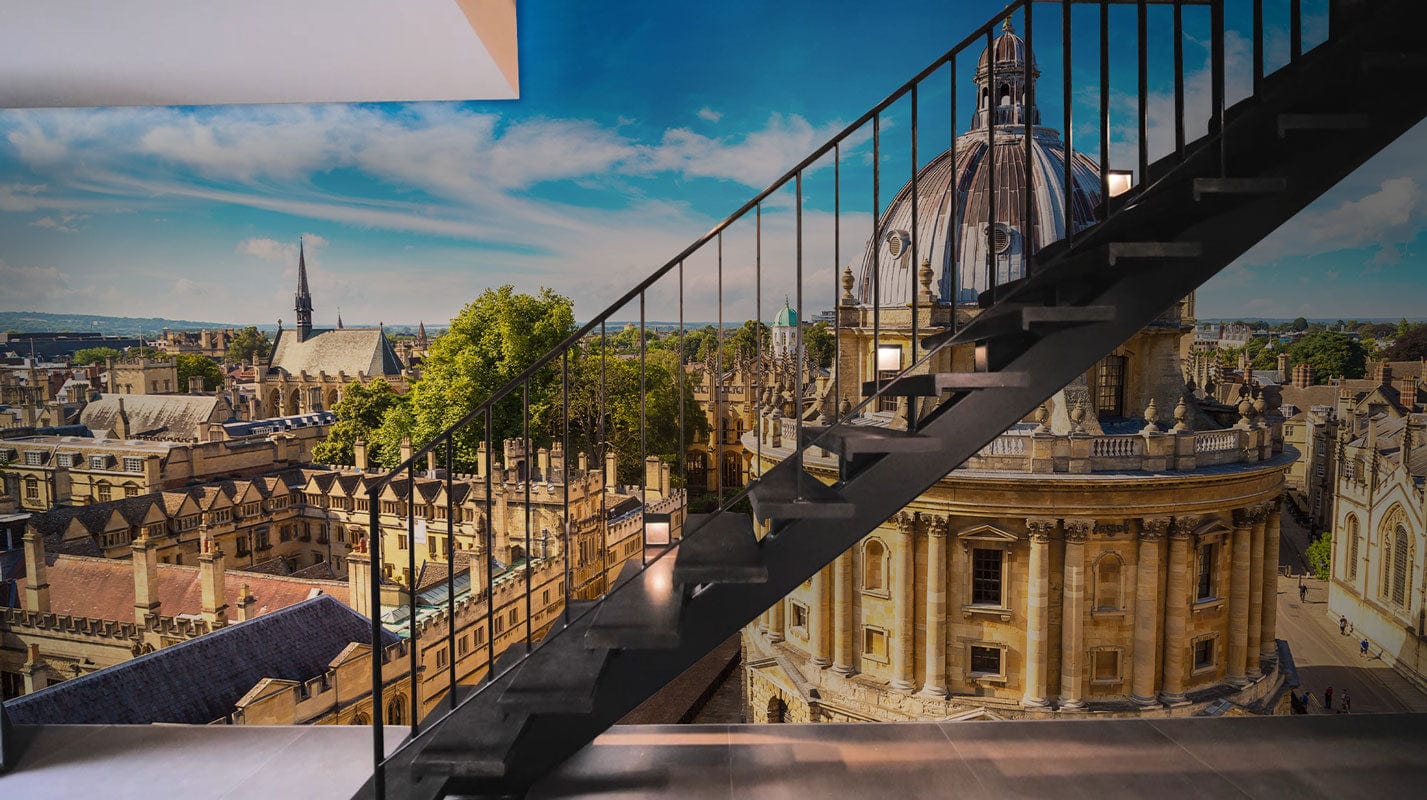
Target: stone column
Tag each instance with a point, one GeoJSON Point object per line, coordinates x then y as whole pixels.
{"type": "Point", "coordinates": [1176, 610]}
{"type": "Point", "coordinates": [820, 637]}
{"type": "Point", "coordinates": [1239, 597]}
{"type": "Point", "coordinates": [904, 591]}
{"type": "Point", "coordinates": [1037, 616]}
{"type": "Point", "coordinates": [842, 609]}
{"type": "Point", "coordinates": [1147, 611]}
{"type": "Point", "coordinates": [1256, 551]}
{"type": "Point", "coordinates": [776, 626]}
{"type": "Point", "coordinates": [935, 685]}
{"type": "Point", "coordinates": [1072, 617]}
{"type": "Point", "coordinates": [1268, 635]}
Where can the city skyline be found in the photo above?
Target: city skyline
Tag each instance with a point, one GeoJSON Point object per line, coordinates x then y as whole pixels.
{"type": "Point", "coordinates": [617, 155]}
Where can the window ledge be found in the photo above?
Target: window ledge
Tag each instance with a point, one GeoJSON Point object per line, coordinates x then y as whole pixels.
{"type": "Point", "coordinates": [968, 611]}
{"type": "Point", "coordinates": [1204, 670]}
{"type": "Point", "coordinates": [1208, 604]}
{"type": "Point", "coordinates": [986, 677]}
{"type": "Point", "coordinates": [881, 593]}
{"type": "Point", "coordinates": [1106, 681]}
{"type": "Point", "coordinates": [1108, 613]}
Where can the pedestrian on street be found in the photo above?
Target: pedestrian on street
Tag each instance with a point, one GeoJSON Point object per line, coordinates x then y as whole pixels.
{"type": "Point", "coordinates": [1347, 701]}
{"type": "Point", "coordinates": [1363, 648]}
{"type": "Point", "coordinates": [1342, 625]}
{"type": "Point", "coordinates": [1302, 593]}
{"type": "Point", "coordinates": [1328, 699]}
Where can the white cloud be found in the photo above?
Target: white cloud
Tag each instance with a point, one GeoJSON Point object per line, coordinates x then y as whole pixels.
{"type": "Point", "coordinates": [62, 223]}
{"type": "Point", "coordinates": [37, 288]}
{"type": "Point", "coordinates": [710, 115]}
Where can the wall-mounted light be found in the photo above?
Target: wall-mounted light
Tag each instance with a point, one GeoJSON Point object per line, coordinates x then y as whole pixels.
{"type": "Point", "coordinates": [1120, 181]}
{"type": "Point", "coordinates": [889, 358]}
{"type": "Point", "coordinates": [656, 530]}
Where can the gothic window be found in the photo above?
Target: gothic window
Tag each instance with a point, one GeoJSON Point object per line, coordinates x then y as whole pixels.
{"type": "Point", "coordinates": [1107, 583]}
{"type": "Point", "coordinates": [1110, 394]}
{"type": "Point", "coordinates": [874, 567]}
{"type": "Point", "coordinates": [1400, 558]}
{"type": "Point", "coordinates": [987, 577]}
{"type": "Point", "coordinates": [396, 711]}
{"type": "Point", "coordinates": [696, 467]}
{"type": "Point", "coordinates": [732, 471]}
{"type": "Point", "coordinates": [1206, 572]}
{"type": "Point", "coordinates": [1352, 547]}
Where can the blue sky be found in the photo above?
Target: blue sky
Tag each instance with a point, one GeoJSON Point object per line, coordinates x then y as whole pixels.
{"type": "Point", "coordinates": [640, 125]}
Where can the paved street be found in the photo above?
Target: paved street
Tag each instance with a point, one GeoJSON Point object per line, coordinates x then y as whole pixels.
{"type": "Point", "coordinates": [1324, 656]}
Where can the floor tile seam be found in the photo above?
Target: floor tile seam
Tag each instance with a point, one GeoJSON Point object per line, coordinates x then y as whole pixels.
{"type": "Point", "coordinates": [980, 785]}
{"type": "Point", "coordinates": [1153, 725]}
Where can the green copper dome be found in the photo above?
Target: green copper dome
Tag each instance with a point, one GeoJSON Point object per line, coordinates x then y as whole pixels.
{"type": "Point", "coordinates": [787, 318]}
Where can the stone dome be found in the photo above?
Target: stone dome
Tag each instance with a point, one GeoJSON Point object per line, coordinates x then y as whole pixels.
{"type": "Point", "coordinates": [787, 317]}
{"type": "Point", "coordinates": [957, 248]}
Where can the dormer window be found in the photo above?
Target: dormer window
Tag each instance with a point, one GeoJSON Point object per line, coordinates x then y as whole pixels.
{"type": "Point", "coordinates": [133, 464]}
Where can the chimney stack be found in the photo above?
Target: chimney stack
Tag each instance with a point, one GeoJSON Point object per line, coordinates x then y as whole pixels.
{"type": "Point", "coordinates": [37, 584]}
{"type": "Point", "coordinates": [481, 455]}
{"type": "Point", "coordinates": [651, 476]}
{"type": "Point", "coordinates": [210, 580]}
{"type": "Point", "coordinates": [542, 460]}
{"type": "Point", "coordinates": [195, 384]}
{"type": "Point", "coordinates": [611, 471]}
{"type": "Point", "coordinates": [146, 578]}
{"type": "Point", "coordinates": [245, 603]}
{"type": "Point", "coordinates": [1302, 376]}
{"type": "Point", "coordinates": [406, 449]}
{"type": "Point", "coordinates": [584, 462]}
{"type": "Point", "coordinates": [359, 454]}
{"type": "Point", "coordinates": [1283, 364]}
{"type": "Point", "coordinates": [359, 579]}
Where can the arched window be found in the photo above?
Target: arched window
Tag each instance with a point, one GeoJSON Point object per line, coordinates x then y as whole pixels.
{"type": "Point", "coordinates": [874, 566]}
{"type": "Point", "coordinates": [396, 711]}
{"type": "Point", "coordinates": [777, 710]}
{"type": "Point", "coordinates": [732, 471]}
{"type": "Point", "coordinates": [1352, 547]}
{"type": "Point", "coordinates": [696, 470]}
{"type": "Point", "coordinates": [1401, 560]}
{"type": "Point", "coordinates": [1107, 583]}
{"type": "Point", "coordinates": [361, 718]}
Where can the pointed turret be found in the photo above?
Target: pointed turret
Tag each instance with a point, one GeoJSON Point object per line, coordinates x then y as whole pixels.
{"type": "Point", "coordinates": [304, 297]}
{"type": "Point", "coordinates": [421, 334]}
{"type": "Point", "coordinates": [339, 318]}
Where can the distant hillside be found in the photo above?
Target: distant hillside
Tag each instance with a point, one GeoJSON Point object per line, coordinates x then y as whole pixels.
{"type": "Point", "coordinates": [36, 322]}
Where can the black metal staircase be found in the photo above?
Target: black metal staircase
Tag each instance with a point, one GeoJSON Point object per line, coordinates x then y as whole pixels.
{"type": "Point", "coordinates": [1305, 127]}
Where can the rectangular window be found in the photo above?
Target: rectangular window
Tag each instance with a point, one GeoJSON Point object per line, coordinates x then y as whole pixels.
{"type": "Point", "coordinates": [1206, 572]}
{"type": "Point", "coordinates": [432, 547]}
{"type": "Point", "coordinates": [1106, 665]}
{"type": "Point", "coordinates": [32, 489]}
{"type": "Point", "coordinates": [986, 577]}
{"type": "Point", "coordinates": [132, 464]}
{"type": "Point", "coordinates": [1203, 653]}
{"type": "Point", "coordinates": [463, 645]}
{"type": "Point", "coordinates": [103, 493]}
{"type": "Point", "coordinates": [131, 491]}
{"type": "Point", "coordinates": [401, 541]}
{"type": "Point", "coordinates": [98, 462]}
{"type": "Point", "coordinates": [1110, 399]}
{"type": "Point", "coordinates": [874, 644]}
{"type": "Point", "coordinates": [441, 658]}
{"type": "Point", "coordinates": [34, 458]}
{"type": "Point", "coordinates": [985, 660]}
{"type": "Point", "coordinates": [800, 616]}
{"type": "Point", "coordinates": [66, 459]}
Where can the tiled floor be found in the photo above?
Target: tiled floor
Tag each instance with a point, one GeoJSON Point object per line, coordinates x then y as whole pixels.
{"type": "Point", "coordinates": [1327, 756]}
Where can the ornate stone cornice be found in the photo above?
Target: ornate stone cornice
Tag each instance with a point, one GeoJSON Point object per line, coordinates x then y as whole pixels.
{"type": "Point", "coordinates": [1078, 530]}
{"type": "Point", "coordinates": [1154, 528]}
{"type": "Point", "coordinates": [1040, 529]}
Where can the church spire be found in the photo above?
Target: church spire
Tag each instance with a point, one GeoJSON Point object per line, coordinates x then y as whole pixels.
{"type": "Point", "coordinates": [304, 297]}
{"type": "Point", "coordinates": [339, 318]}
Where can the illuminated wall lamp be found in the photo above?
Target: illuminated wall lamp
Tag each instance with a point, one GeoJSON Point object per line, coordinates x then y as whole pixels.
{"type": "Point", "coordinates": [656, 530]}
{"type": "Point", "coordinates": [1120, 181]}
{"type": "Point", "coordinates": [889, 358]}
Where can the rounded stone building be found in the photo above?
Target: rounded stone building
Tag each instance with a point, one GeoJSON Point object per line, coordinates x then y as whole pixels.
{"type": "Point", "coordinates": [1115, 552]}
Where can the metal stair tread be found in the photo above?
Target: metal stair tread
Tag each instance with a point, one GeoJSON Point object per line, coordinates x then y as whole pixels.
{"type": "Point", "coordinates": [850, 441]}
{"type": "Point", "coordinates": [1019, 318]}
{"type": "Point", "coordinates": [474, 745]}
{"type": "Point", "coordinates": [1117, 251]}
{"type": "Point", "coordinates": [721, 548]}
{"type": "Point", "coordinates": [1238, 186]}
{"type": "Point", "coordinates": [1321, 122]}
{"type": "Point", "coordinates": [559, 677]}
{"type": "Point", "coordinates": [936, 383]}
{"type": "Point", "coordinates": [783, 494]}
{"type": "Point", "coordinates": [642, 613]}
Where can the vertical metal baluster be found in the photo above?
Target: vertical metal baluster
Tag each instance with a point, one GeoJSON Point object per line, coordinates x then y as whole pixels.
{"type": "Point", "coordinates": [683, 455]}
{"type": "Point", "coordinates": [717, 383]}
{"type": "Point", "coordinates": [1258, 47]}
{"type": "Point", "coordinates": [1104, 110]}
{"type": "Point", "coordinates": [1179, 80]}
{"type": "Point", "coordinates": [565, 474]}
{"type": "Point", "coordinates": [798, 334]}
{"type": "Point", "coordinates": [411, 586]}
{"type": "Point", "coordinates": [992, 107]}
{"type": "Point", "coordinates": [486, 557]}
{"type": "Point", "coordinates": [1216, 33]}
{"type": "Point", "coordinates": [1295, 29]}
{"type": "Point", "coordinates": [1066, 116]}
{"type": "Point", "coordinates": [836, 277]}
{"type": "Point", "coordinates": [609, 480]}
{"type": "Point", "coordinates": [643, 444]}
{"type": "Point", "coordinates": [758, 312]}
{"type": "Point", "coordinates": [873, 251]}
{"type": "Point", "coordinates": [450, 577]}
{"type": "Point", "coordinates": [1028, 104]}
{"type": "Point", "coordinates": [529, 473]}
{"type": "Point", "coordinates": [1142, 27]}
{"type": "Point", "coordinates": [374, 548]}
{"type": "Point", "coordinates": [954, 226]}
{"type": "Point", "coordinates": [916, 260]}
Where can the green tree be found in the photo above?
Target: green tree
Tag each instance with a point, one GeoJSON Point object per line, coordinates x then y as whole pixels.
{"type": "Point", "coordinates": [820, 344]}
{"type": "Point", "coordinates": [246, 343]}
{"type": "Point", "coordinates": [194, 365]}
{"type": "Point", "coordinates": [494, 338]}
{"type": "Point", "coordinates": [144, 351]}
{"type": "Point", "coordinates": [361, 411]}
{"type": "Point", "coordinates": [1320, 555]}
{"type": "Point", "coordinates": [753, 338]}
{"type": "Point", "coordinates": [1299, 324]}
{"type": "Point", "coordinates": [1403, 326]}
{"type": "Point", "coordinates": [94, 355]}
{"type": "Point", "coordinates": [1409, 346]}
{"type": "Point", "coordinates": [1332, 355]}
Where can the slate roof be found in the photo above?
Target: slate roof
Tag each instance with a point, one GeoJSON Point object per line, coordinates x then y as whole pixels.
{"type": "Point", "coordinates": [170, 416]}
{"type": "Point", "coordinates": [348, 350]}
{"type": "Point", "coordinates": [103, 588]}
{"type": "Point", "coordinates": [198, 681]}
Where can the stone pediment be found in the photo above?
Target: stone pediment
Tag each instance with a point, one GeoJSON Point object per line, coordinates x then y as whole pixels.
{"type": "Point", "coordinates": [1213, 527]}
{"type": "Point", "coordinates": [987, 533]}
